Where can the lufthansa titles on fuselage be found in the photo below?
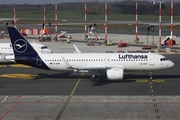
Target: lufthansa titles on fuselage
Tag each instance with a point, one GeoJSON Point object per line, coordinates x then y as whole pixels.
{"type": "Point", "coordinates": [130, 56]}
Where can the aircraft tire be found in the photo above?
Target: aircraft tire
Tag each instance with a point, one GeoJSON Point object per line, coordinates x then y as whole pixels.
{"type": "Point", "coordinates": [93, 79]}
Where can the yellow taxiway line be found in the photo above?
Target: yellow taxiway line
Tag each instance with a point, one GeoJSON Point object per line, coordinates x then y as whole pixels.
{"type": "Point", "coordinates": [158, 80]}
{"type": "Point", "coordinates": [155, 80]}
{"type": "Point", "coordinates": [20, 65]}
{"type": "Point", "coordinates": [142, 80]}
{"type": "Point", "coordinates": [69, 98]}
{"type": "Point", "coordinates": [19, 76]}
{"type": "Point", "coordinates": [3, 66]}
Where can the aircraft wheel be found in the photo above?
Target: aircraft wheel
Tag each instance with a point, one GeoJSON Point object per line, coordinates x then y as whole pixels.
{"type": "Point", "coordinates": [93, 79]}
{"type": "Point", "coordinates": [150, 75]}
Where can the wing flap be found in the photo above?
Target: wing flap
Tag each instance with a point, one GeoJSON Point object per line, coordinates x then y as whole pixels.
{"type": "Point", "coordinates": [93, 68]}
{"type": "Point", "coordinates": [101, 67]}
{"type": "Point", "coordinates": [66, 63]}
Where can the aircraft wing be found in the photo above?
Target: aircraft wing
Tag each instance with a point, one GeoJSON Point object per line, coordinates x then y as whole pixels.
{"type": "Point", "coordinates": [99, 68]}
{"type": "Point", "coordinates": [83, 68]}
{"type": "Point", "coordinates": [94, 68]}
{"type": "Point", "coordinates": [91, 68]}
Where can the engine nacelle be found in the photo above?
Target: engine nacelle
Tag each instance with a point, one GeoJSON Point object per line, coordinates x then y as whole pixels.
{"type": "Point", "coordinates": [9, 57]}
{"type": "Point", "coordinates": [115, 74]}
{"type": "Point", "coordinates": [6, 58]}
{"type": "Point", "coordinates": [2, 58]}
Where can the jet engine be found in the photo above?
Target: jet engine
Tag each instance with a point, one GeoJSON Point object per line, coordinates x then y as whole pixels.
{"type": "Point", "coordinates": [115, 74]}
{"type": "Point", "coordinates": [2, 58]}
{"type": "Point", "coordinates": [6, 58]}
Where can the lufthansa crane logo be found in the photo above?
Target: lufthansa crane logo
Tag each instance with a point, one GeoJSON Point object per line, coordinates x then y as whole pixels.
{"type": "Point", "coordinates": [20, 45]}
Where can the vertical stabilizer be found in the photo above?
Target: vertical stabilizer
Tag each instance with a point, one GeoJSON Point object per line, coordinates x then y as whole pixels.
{"type": "Point", "coordinates": [20, 45]}
{"type": "Point", "coordinates": [24, 53]}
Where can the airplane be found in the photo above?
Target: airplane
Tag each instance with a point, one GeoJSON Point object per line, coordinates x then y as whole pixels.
{"type": "Point", "coordinates": [7, 54]}
{"type": "Point", "coordinates": [110, 65]}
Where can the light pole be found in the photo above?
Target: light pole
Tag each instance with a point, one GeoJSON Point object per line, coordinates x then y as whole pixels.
{"type": "Point", "coordinates": [49, 28]}
{"type": "Point", "coordinates": [152, 28]}
{"type": "Point", "coordinates": [148, 29]}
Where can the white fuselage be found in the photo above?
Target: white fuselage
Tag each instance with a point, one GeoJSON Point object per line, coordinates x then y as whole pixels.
{"type": "Point", "coordinates": [127, 61]}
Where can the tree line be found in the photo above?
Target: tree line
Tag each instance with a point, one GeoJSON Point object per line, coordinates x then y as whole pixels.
{"type": "Point", "coordinates": [95, 7]}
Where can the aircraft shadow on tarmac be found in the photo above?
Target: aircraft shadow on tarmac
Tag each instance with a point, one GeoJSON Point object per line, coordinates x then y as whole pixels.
{"type": "Point", "coordinates": [87, 76]}
{"type": "Point", "coordinates": [105, 82]}
{"type": "Point", "coordinates": [101, 80]}
{"type": "Point", "coordinates": [62, 76]}
{"type": "Point", "coordinates": [134, 76]}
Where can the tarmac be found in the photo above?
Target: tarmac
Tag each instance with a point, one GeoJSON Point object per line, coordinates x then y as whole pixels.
{"type": "Point", "coordinates": [90, 108]}
{"type": "Point", "coordinates": [114, 39]}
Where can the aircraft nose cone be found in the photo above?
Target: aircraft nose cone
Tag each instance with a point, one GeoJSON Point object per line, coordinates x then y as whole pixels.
{"type": "Point", "coordinates": [171, 64]}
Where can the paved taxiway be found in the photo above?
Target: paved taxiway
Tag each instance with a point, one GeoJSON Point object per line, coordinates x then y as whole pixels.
{"type": "Point", "coordinates": [49, 95]}
{"type": "Point", "coordinates": [44, 82]}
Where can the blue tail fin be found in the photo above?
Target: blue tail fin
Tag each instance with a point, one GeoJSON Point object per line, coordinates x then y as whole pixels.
{"type": "Point", "coordinates": [24, 53]}
{"type": "Point", "coordinates": [20, 45]}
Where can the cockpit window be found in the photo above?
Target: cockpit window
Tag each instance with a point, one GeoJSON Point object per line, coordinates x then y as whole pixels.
{"type": "Point", "coordinates": [163, 59]}
{"type": "Point", "coordinates": [44, 47]}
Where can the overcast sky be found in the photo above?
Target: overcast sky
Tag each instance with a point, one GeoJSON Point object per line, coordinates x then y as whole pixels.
{"type": "Point", "coordinates": [53, 1]}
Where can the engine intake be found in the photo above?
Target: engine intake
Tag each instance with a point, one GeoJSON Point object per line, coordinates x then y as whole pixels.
{"type": "Point", "coordinates": [6, 58]}
{"type": "Point", "coordinates": [115, 74]}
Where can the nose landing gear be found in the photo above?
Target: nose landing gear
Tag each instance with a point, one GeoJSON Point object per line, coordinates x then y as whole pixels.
{"type": "Point", "coordinates": [150, 75]}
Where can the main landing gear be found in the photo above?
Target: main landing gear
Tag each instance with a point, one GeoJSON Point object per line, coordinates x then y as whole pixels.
{"type": "Point", "coordinates": [93, 78]}
{"type": "Point", "coordinates": [101, 75]}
